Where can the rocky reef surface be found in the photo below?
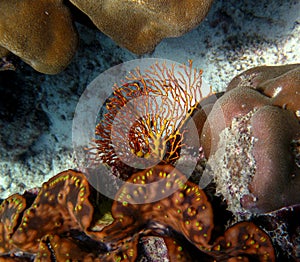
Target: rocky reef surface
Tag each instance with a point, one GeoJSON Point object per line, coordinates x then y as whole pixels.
{"type": "Point", "coordinates": [37, 110]}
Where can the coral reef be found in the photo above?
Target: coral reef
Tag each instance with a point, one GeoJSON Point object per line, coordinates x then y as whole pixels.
{"type": "Point", "coordinates": [42, 33]}
{"type": "Point", "coordinates": [255, 160]}
{"type": "Point", "coordinates": [60, 223]}
{"type": "Point", "coordinates": [141, 25]}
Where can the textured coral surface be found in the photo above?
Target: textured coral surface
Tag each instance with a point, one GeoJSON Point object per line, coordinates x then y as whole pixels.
{"type": "Point", "coordinates": [140, 25]}
{"type": "Point", "coordinates": [251, 138]}
{"type": "Point", "coordinates": [42, 33]}
{"type": "Point", "coordinates": [39, 32]}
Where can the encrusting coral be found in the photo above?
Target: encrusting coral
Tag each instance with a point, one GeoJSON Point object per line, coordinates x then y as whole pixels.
{"type": "Point", "coordinates": [40, 32]}
{"type": "Point", "coordinates": [255, 150]}
{"type": "Point", "coordinates": [59, 224]}
{"type": "Point", "coordinates": [43, 35]}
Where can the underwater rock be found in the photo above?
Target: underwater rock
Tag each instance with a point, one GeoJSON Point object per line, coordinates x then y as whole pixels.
{"type": "Point", "coordinates": [251, 138]}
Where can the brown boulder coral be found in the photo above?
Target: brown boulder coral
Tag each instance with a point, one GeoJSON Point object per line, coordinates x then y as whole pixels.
{"type": "Point", "coordinates": [40, 32]}
{"type": "Point", "coordinates": [43, 35]}
{"type": "Point", "coordinates": [254, 152]}
{"type": "Point", "coordinates": [280, 83]}
{"type": "Point", "coordinates": [141, 25]}
{"type": "Point", "coordinates": [3, 52]}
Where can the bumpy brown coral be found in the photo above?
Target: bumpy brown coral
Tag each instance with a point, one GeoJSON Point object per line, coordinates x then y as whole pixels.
{"type": "Point", "coordinates": [58, 225]}
{"type": "Point", "coordinates": [140, 25]}
{"type": "Point", "coordinates": [3, 51]}
{"type": "Point", "coordinates": [252, 139]}
{"type": "Point", "coordinates": [39, 32]}
{"type": "Point", "coordinates": [42, 33]}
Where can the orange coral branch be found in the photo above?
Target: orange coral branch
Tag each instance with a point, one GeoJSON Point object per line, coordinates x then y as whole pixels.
{"type": "Point", "coordinates": [148, 112]}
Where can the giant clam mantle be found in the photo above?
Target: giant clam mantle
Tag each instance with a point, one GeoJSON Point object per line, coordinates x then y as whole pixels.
{"type": "Point", "coordinates": [60, 224]}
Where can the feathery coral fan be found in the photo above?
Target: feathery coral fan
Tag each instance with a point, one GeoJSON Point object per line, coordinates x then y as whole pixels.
{"type": "Point", "coordinates": [58, 224]}
{"type": "Point", "coordinates": [146, 116]}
